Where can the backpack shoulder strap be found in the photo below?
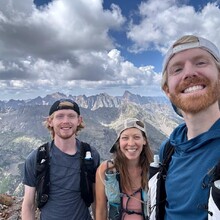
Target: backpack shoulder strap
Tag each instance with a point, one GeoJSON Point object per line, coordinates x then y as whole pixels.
{"type": "Point", "coordinates": [43, 174]}
{"type": "Point", "coordinates": [215, 190]}
{"type": "Point", "coordinates": [84, 148]}
{"type": "Point", "coordinates": [167, 154]}
{"type": "Point", "coordinates": [161, 192]}
{"type": "Point", "coordinates": [87, 166]}
{"type": "Point", "coordinates": [87, 176]}
{"type": "Point", "coordinates": [42, 156]}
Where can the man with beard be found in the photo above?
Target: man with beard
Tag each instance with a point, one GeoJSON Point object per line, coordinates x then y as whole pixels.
{"type": "Point", "coordinates": [191, 80]}
{"type": "Point", "coordinates": [65, 159]}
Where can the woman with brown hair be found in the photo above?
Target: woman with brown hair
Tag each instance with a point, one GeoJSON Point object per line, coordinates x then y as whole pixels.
{"type": "Point", "coordinates": [122, 183]}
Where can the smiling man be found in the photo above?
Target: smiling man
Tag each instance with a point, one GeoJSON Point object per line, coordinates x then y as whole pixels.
{"type": "Point", "coordinates": [60, 196]}
{"type": "Point", "coordinates": [191, 80]}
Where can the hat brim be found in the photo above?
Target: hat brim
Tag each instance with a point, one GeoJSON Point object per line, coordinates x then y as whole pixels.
{"type": "Point", "coordinates": [114, 146]}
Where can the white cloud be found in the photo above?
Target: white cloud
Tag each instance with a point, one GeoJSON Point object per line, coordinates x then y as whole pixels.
{"type": "Point", "coordinates": [162, 22]}
{"type": "Point", "coordinates": [67, 47]}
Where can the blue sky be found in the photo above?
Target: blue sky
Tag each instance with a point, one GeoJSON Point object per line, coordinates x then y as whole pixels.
{"type": "Point", "coordinates": [94, 46]}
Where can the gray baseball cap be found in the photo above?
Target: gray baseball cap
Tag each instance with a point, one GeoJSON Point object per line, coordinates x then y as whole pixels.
{"type": "Point", "coordinates": [128, 123]}
{"type": "Point", "coordinates": [202, 43]}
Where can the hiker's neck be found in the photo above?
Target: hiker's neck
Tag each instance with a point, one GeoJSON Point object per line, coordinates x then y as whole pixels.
{"type": "Point", "coordinates": [66, 145]}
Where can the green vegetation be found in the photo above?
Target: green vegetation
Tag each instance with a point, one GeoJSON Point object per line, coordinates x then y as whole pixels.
{"type": "Point", "coordinates": [5, 182]}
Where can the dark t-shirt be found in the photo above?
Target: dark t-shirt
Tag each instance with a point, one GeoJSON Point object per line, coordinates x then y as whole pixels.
{"type": "Point", "coordinates": [65, 200]}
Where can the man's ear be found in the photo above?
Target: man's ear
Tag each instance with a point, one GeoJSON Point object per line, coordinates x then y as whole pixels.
{"type": "Point", "coordinates": [166, 90]}
{"type": "Point", "coordinates": [49, 121]}
{"type": "Point", "coordinates": [80, 120]}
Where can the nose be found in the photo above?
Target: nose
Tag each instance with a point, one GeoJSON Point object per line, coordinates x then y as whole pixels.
{"type": "Point", "coordinates": [131, 141]}
{"type": "Point", "coordinates": [65, 119]}
{"type": "Point", "coordinates": [189, 70]}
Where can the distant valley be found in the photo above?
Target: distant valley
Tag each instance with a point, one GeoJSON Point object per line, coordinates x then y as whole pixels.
{"type": "Point", "coordinates": [22, 129]}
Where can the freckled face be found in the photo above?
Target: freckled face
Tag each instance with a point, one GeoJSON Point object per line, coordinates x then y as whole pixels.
{"type": "Point", "coordinates": [131, 143]}
{"type": "Point", "coordinates": [65, 122]}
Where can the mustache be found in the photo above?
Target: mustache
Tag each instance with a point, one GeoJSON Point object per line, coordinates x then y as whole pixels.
{"type": "Point", "coordinates": [192, 81]}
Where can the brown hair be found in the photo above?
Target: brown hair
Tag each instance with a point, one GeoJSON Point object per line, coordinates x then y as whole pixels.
{"type": "Point", "coordinates": [120, 164]}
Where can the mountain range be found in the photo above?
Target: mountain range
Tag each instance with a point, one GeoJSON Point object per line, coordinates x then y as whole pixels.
{"type": "Point", "coordinates": [22, 129]}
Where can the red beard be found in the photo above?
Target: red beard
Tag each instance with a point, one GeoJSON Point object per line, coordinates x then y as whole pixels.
{"type": "Point", "coordinates": [194, 103]}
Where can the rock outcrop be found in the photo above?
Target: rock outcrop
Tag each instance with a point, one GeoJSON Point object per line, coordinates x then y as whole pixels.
{"type": "Point", "coordinates": [10, 207]}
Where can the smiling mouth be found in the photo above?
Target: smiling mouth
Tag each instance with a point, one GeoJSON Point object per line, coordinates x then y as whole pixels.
{"type": "Point", "coordinates": [66, 128]}
{"type": "Point", "coordinates": [132, 150]}
{"type": "Point", "coordinates": [194, 89]}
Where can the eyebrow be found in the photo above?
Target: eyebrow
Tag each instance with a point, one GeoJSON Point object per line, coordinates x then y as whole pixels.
{"type": "Point", "coordinates": [200, 56]}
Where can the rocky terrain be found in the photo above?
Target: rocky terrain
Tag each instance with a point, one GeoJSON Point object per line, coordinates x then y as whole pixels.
{"type": "Point", "coordinates": [10, 207]}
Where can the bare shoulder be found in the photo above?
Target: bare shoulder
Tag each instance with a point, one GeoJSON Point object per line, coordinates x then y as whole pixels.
{"type": "Point", "coordinates": [105, 165]}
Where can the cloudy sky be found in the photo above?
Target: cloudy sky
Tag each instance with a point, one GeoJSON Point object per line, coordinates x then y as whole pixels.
{"type": "Point", "coordinates": [94, 46]}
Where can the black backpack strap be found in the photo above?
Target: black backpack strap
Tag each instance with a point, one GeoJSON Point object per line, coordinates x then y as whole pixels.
{"type": "Point", "coordinates": [161, 192]}
{"type": "Point", "coordinates": [215, 190]}
{"type": "Point", "coordinates": [83, 148]}
{"type": "Point", "coordinates": [87, 175]}
{"type": "Point", "coordinates": [88, 164]}
{"type": "Point", "coordinates": [43, 174]}
{"type": "Point", "coordinates": [217, 171]}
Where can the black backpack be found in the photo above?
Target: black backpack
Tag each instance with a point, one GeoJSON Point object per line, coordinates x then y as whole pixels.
{"type": "Point", "coordinates": [161, 172]}
{"type": "Point", "coordinates": [87, 176]}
